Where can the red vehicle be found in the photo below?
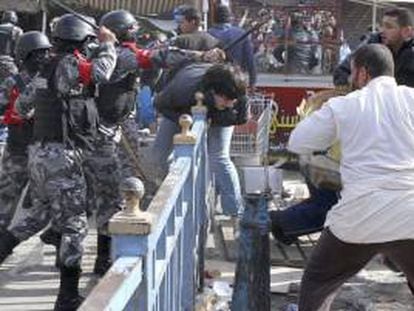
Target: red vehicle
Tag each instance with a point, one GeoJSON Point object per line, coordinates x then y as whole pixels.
{"type": "Point", "coordinates": [288, 91]}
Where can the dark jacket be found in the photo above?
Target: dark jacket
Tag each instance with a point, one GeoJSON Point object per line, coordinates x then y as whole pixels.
{"type": "Point", "coordinates": [242, 53]}
{"type": "Point", "coordinates": [403, 59]}
{"type": "Point", "coordinates": [178, 97]}
{"type": "Point", "coordinates": [198, 41]}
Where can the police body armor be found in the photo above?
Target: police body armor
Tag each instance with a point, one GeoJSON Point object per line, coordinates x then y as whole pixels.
{"type": "Point", "coordinates": [116, 100]}
{"type": "Point", "coordinates": [322, 168]}
{"type": "Point", "coordinates": [72, 120]}
{"type": "Point", "coordinates": [6, 39]}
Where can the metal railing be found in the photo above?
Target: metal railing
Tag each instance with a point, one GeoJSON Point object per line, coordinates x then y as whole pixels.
{"type": "Point", "coordinates": [159, 254]}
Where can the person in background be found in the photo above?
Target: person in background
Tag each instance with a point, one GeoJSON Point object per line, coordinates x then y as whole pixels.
{"type": "Point", "coordinates": [397, 34]}
{"type": "Point", "coordinates": [190, 37]}
{"type": "Point", "coordinates": [242, 53]}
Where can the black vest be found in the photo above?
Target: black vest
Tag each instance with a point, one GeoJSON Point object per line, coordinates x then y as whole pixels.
{"type": "Point", "coordinates": [72, 120]}
{"type": "Point", "coordinates": [116, 100]}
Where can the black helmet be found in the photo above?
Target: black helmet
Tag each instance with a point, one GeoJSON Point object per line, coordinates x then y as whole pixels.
{"type": "Point", "coordinates": [29, 42]}
{"type": "Point", "coordinates": [119, 22]}
{"type": "Point", "coordinates": [186, 11]}
{"type": "Point", "coordinates": [9, 17]}
{"type": "Point", "coordinates": [70, 27]}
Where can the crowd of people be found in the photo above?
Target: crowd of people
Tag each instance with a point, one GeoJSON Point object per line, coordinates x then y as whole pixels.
{"type": "Point", "coordinates": [297, 40]}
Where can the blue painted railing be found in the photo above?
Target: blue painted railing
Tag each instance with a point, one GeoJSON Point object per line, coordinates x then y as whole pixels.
{"type": "Point", "coordinates": [159, 254]}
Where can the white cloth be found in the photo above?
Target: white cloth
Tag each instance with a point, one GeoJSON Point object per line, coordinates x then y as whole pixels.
{"type": "Point", "coordinates": [375, 126]}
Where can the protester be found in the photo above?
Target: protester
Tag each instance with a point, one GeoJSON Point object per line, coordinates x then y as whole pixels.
{"type": "Point", "coordinates": [242, 53]}
{"type": "Point", "coordinates": [225, 97]}
{"type": "Point", "coordinates": [309, 216]}
{"type": "Point", "coordinates": [374, 213]}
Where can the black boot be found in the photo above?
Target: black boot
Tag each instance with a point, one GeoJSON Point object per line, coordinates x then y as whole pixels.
{"type": "Point", "coordinates": [7, 243]}
{"type": "Point", "coordinates": [103, 260]}
{"type": "Point", "coordinates": [68, 298]}
{"type": "Point", "coordinates": [52, 237]}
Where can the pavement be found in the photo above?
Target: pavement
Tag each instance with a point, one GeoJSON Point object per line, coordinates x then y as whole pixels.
{"type": "Point", "coordinates": [29, 280]}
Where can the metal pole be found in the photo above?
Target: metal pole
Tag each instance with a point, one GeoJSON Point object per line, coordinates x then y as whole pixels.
{"type": "Point", "coordinates": [43, 10]}
{"type": "Point", "coordinates": [44, 21]}
{"type": "Point", "coordinates": [252, 281]}
{"type": "Point", "coordinates": [78, 15]}
{"type": "Point", "coordinates": [205, 8]}
{"type": "Point", "coordinates": [374, 15]}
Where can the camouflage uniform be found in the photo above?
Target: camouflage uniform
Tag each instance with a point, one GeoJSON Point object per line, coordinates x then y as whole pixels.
{"type": "Point", "coordinates": [7, 67]}
{"type": "Point", "coordinates": [58, 192]}
{"type": "Point", "coordinates": [9, 34]}
{"type": "Point", "coordinates": [14, 173]}
{"type": "Point", "coordinates": [58, 189]}
{"type": "Point", "coordinates": [103, 175]}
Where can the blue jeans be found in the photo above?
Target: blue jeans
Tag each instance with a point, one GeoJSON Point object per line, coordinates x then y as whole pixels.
{"type": "Point", "coordinates": [223, 169]}
{"type": "Point", "coordinates": [145, 112]}
{"type": "Point", "coordinates": [309, 215]}
{"type": "Point", "coordinates": [224, 172]}
{"type": "Point", "coordinates": [162, 148]}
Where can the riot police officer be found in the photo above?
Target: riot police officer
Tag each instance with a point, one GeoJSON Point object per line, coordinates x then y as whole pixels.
{"type": "Point", "coordinates": [65, 125]}
{"type": "Point", "coordinates": [9, 34]}
{"type": "Point", "coordinates": [32, 53]}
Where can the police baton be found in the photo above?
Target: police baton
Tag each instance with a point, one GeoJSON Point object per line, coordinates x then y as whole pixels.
{"type": "Point", "coordinates": [239, 39]}
{"type": "Point", "coordinates": [80, 16]}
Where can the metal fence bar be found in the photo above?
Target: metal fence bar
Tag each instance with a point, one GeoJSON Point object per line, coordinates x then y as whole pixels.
{"type": "Point", "coordinates": [168, 238]}
{"type": "Point", "coordinates": [118, 286]}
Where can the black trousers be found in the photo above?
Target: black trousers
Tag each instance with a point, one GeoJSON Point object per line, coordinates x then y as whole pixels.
{"type": "Point", "coordinates": [332, 262]}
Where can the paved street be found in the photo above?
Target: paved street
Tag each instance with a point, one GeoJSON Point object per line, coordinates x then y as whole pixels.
{"type": "Point", "coordinates": [29, 280]}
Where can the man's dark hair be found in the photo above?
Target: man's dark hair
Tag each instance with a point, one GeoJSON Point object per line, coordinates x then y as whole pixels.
{"type": "Point", "coordinates": [223, 14]}
{"type": "Point", "coordinates": [404, 16]}
{"type": "Point", "coordinates": [375, 58]}
{"type": "Point", "coordinates": [225, 79]}
{"type": "Point", "coordinates": [189, 12]}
